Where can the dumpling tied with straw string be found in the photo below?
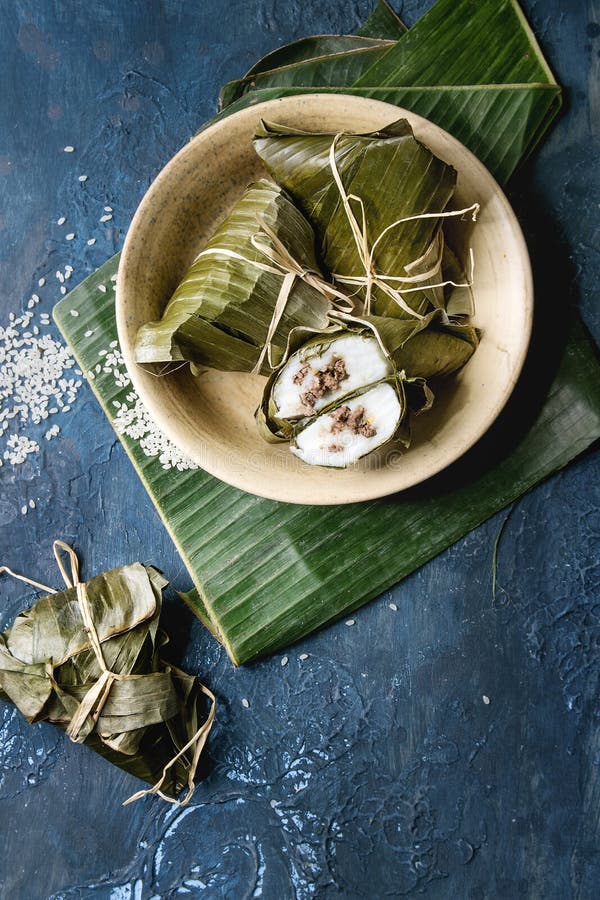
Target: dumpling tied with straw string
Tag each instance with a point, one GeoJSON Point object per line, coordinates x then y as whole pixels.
{"type": "Point", "coordinates": [222, 313]}
{"type": "Point", "coordinates": [356, 189]}
{"type": "Point", "coordinates": [362, 352]}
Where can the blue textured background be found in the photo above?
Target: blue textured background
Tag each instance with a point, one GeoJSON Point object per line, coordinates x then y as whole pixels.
{"type": "Point", "coordinates": [373, 768]}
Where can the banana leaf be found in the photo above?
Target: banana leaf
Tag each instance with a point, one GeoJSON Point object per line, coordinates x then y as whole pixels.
{"type": "Point", "coordinates": [522, 112]}
{"type": "Point", "coordinates": [285, 64]}
{"type": "Point", "coordinates": [415, 182]}
{"type": "Point", "coordinates": [493, 75]}
{"type": "Point", "coordinates": [431, 348]}
{"type": "Point", "coordinates": [474, 41]}
{"type": "Point", "coordinates": [261, 593]}
{"type": "Point", "coordinates": [342, 67]}
{"type": "Point", "coordinates": [220, 313]}
{"type": "Point", "coordinates": [47, 667]}
{"type": "Point", "coordinates": [266, 574]}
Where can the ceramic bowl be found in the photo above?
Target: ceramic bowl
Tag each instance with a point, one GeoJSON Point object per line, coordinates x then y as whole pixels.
{"type": "Point", "coordinates": [211, 418]}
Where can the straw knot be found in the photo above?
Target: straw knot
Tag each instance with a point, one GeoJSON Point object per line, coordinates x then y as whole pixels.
{"type": "Point", "coordinates": [94, 700]}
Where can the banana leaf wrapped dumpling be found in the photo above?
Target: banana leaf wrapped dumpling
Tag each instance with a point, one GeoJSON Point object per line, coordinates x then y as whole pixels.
{"type": "Point", "coordinates": [221, 313]}
{"type": "Point", "coordinates": [329, 367]}
{"type": "Point", "coordinates": [89, 659]}
{"type": "Point", "coordinates": [355, 189]}
{"type": "Point", "coordinates": [362, 422]}
{"type": "Point", "coordinates": [322, 371]}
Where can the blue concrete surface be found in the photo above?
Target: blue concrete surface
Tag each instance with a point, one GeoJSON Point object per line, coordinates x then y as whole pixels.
{"type": "Point", "coordinates": [375, 768]}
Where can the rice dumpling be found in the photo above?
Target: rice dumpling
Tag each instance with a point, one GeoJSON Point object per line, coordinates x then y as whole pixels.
{"type": "Point", "coordinates": [88, 659]}
{"type": "Point", "coordinates": [363, 352]}
{"type": "Point", "coordinates": [221, 313]}
{"type": "Point", "coordinates": [323, 370]}
{"type": "Point", "coordinates": [372, 199]}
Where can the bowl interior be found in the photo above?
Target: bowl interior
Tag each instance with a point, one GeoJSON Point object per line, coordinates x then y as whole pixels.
{"type": "Point", "coordinates": [211, 418]}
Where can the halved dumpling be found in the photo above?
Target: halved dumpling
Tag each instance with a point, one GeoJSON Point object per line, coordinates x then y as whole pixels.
{"type": "Point", "coordinates": [343, 434]}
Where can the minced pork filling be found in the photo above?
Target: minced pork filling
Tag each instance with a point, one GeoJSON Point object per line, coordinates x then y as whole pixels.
{"type": "Point", "coordinates": [353, 420]}
{"type": "Point", "coordinates": [323, 381]}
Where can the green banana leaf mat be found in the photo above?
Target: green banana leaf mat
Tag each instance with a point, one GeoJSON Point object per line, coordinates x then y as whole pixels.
{"type": "Point", "coordinates": [268, 573]}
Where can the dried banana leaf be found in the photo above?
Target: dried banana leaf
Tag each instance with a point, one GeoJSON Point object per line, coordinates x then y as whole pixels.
{"type": "Point", "coordinates": [393, 174]}
{"type": "Point", "coordinates": [48, 666]}
{"type": "Point", "coordinates": [220, 314]}
{"type": "Point", "coordinates": [53, 628]}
